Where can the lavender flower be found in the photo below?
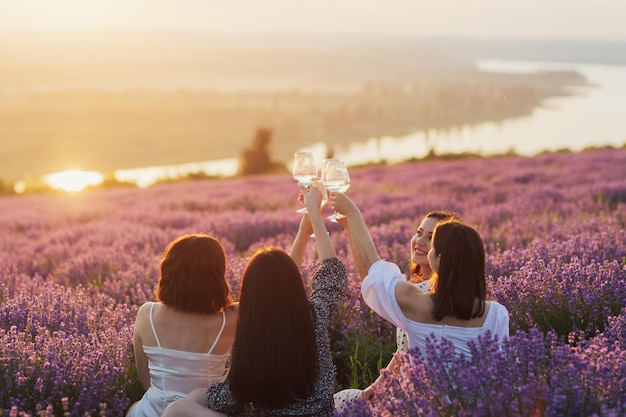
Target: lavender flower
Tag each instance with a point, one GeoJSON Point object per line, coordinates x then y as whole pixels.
{"type": "Point", "coordinates": [73, 270]}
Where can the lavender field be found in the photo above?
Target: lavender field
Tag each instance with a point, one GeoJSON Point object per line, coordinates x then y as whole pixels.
{"type": "Point", "coordinates": [75, 268]}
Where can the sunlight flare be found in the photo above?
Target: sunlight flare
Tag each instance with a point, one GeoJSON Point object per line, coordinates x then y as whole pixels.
{"type": "Point", "coordinates": [73, 180]}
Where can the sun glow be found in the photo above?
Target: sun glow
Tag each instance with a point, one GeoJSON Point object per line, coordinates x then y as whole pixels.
{"type": "Point", "coordinates": [73, 180]}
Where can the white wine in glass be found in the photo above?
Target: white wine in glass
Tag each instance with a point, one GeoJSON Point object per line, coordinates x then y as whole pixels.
{"type": "Point", "coordinates": [335, 178]}
{"type": "Point", "coordinates": [304, 170]}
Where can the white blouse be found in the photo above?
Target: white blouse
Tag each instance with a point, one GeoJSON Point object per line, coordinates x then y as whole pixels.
{"type": "Point", "coordinates": [378, 291]}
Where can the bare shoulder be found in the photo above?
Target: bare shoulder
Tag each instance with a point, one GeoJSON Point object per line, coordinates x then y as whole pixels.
{"type": "Point", "coordinates": [144, 310]}
{"type": "Point", "coordinates": [142, 322]}
{"type": "Point", "coordinates": [405, 287]}
{"type": "Point", "coordinates": [406, 293]}
{"type": "Point", "coordinates": [413, 303]}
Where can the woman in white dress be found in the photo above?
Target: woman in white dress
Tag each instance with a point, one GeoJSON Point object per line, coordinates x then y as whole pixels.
{"type": "Point", "coordinates": [420, 275]}
{"type": "Point", "coordinates": [456, 308]}
{"type": "Point", "coordinates": [182, 341]}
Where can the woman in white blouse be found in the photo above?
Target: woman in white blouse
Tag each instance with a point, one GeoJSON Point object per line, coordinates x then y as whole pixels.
{"type": "Point", "coordinates": [420, 275]}
{"type": "Point", "coordinates": [456, 308]}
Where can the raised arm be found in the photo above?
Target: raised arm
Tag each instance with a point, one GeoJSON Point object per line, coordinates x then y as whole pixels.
{"type": "Point", "coordinates": [313, 201]}
{"type": "Point", "coordinates": [302, 238]}
{"type": "Point", "coordinates": [361, 243]}
{"type": "Point", "coordinates": [343, 221]}
{"type": "Point", "coordinates": [306, 228]}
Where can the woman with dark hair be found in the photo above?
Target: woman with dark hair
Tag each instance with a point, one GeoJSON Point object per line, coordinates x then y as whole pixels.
{"type": "Point", "coordinates": [274, 307]}
{"type": "Point", "coordinates": [281, 361]}
{"type": "Point", "coordinates": [182, 341]}
{"type": "Point", "coordinates": [420, 274]}
{"type": "Point", "coordinates": [456, 308]}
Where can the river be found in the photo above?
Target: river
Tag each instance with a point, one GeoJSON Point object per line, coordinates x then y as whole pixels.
{"type": "Point", "coordinates": [594, 116]}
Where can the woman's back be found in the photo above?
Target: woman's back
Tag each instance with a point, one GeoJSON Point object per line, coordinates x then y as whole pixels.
{"type": "Point", "coordinates": [387, 292]}
{"type": "Point", "coordinates": [495, 320]}
{"type": "Point", "coordinates": [184, 351]}
{"type": "Point", "coordinates": [189, 332]}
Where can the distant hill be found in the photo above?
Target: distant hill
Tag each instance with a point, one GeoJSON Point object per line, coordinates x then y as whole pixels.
{"type": "Point", "coordinates": [580, 51]}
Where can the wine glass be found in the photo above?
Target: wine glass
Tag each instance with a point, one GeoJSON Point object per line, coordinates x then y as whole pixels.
{"type": "Point", "coordinates": [304, 170]}
{"type": "Point", "coordinates": [335, 178]}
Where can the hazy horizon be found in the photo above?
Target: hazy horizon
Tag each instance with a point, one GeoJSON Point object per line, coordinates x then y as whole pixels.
{"type": "Point", "coordinates": [100, 84]}
{"type": "Point", "coordinates": [492, 19]}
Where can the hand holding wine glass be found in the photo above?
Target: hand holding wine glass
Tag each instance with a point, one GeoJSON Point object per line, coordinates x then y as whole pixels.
{"type": "Point", "coordinates": [336, 179]}
{"type": "Point", "coordinates": [314, 197]}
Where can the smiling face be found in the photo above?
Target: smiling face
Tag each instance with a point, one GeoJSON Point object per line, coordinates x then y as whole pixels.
{"type": "Point", "coordinates": [420, 242]}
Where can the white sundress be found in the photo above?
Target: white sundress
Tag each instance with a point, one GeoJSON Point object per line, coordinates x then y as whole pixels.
{"type": "Point", "coordinates": [174, 373]}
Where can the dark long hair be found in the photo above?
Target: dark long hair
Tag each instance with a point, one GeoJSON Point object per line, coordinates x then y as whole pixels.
{"type": "Point", "coordinates": [274, 358]}
{"type": "Point", "coordinates": [415, 273]}
{"type": "Point", "coordinates": [461, 276]}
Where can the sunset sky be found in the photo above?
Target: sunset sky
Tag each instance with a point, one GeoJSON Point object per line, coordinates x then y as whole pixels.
{"type": "Point", "coordinates": [526, 19]}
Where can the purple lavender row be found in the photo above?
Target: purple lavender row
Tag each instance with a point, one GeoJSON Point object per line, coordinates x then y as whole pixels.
{"type": "Point", "coordinates": [74, 268]}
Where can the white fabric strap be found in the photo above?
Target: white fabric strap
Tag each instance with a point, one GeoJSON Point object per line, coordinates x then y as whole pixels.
{"type": "Point", "coordinates": [152, 324]}
{"type": "Point", "coordinates": [217, 338]}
